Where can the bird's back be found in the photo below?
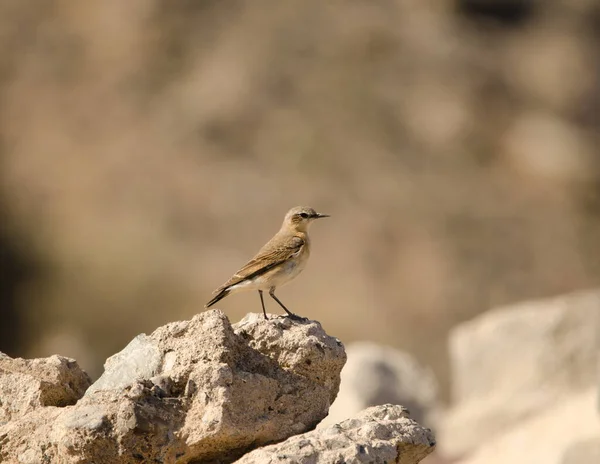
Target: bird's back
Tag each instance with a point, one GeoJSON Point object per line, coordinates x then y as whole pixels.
{"type": "Point", "coordinates": [285, 245]}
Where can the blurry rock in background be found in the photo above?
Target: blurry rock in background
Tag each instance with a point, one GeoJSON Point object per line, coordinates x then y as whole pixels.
{"type": "Point", "coordinates": [544, 437]}
{"type": "Point", "coordinates": [375, 375]}
{"type": "Point", "coordinates": [147, 147]}
{"type": "Point", "coordinates": [524, 374]}
{"type": "Point", "coordinates": [583, 452]}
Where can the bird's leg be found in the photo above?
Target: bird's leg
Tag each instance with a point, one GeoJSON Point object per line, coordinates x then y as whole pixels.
{"type": "Point", "coordinates": [262, 302]}
{"type": "Point", "coordinates": [291, 314]}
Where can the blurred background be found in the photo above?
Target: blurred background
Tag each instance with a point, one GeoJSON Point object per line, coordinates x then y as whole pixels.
{"type": "Point", "coordinates": [148, 148]}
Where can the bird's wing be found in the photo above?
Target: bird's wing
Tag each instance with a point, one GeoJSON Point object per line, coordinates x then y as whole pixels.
{"type": "Point", "coordinates": [271, 255]}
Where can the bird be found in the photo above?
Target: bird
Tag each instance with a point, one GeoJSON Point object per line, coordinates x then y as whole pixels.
{"type": "Point", "coordinates": [279, 261]}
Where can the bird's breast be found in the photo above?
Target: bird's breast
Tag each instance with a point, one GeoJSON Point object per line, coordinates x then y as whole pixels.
{"type": "Point", "coordinates": [289, 270]}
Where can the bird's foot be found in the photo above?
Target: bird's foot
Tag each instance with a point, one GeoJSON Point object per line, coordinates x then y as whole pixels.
{"type": "Point", "coordinates": [295, 317]}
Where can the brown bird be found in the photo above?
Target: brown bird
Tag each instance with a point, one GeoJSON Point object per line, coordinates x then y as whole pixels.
{"type": "Point", "coordinates": [278, 262]}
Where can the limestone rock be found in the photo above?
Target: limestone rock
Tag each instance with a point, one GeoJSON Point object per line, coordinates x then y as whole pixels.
{"type": "Point", "coordinates": [376, 374]}
{"type": "Point", "coordinates": [29, 384]}
{"type": "Point", "coordinates": [379, 434]}
{"type": "Point", "coordinates": [511, 363]}
{"type": "Point", "coordinates": [583, 452]}
{"type": "Point", "coordinates": [317, 357]}
{"type": "Point", "coordinates": [545, 437]}
{"type": "Point", "coordinates": [140, 359]}
{"type": "Point", "coordinates": [205, 392]}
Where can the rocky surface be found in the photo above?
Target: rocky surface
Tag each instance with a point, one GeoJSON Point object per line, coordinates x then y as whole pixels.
{"type": "Point", "coordinates": [375, 374]}
{"type": "Point", "coordinates": [513, 363]}
{"type": "Point", "coordinates": [201, 391]}
{"type": "Point", "coordinates": [29, 384]}
{"type": "Point", "coordinates": [195, 390]}
{"type": "Point", "coordinates": [306, 350]}
{"type": "Point", "coordinates": [379, 434]}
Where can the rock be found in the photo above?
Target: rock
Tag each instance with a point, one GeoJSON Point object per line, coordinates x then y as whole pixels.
{"type": "Point", "coordinates": [376, 374]}
{"type": "Point", "coordinates": [379, 434]}
{"type": "Point", "coordinates": [510, 363]}
{"type": "Point", "coordinates": [583, 452]}
{"type": "Point", "coordinates": [205, 392]}
{"type": "Point", "coordinates": [139, 360]}
{"type": "Point", "coordinates": [545, 437]}
{"type": "Point", "coordinates": [29, 384]}
{"type": "Point", "coordinates": [318, 356]}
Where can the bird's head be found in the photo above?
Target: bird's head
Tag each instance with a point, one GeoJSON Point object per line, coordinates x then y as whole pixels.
{"type": "Point", "coordinates": [300, 217]}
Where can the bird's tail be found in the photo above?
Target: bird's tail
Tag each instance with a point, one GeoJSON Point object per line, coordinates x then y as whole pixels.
{"type": "Point", "coordinates": [220, 294]}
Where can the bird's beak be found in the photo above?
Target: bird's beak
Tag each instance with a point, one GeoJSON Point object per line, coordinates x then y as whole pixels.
{"type": "Point", "coordinates": [318, 215]}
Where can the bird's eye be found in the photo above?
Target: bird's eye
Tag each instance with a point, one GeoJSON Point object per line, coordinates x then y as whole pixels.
{"type": "Point", "coordinates": [303, 215]}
